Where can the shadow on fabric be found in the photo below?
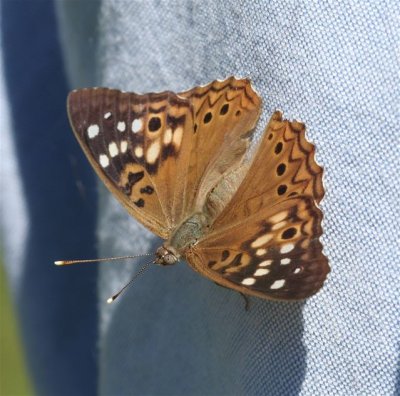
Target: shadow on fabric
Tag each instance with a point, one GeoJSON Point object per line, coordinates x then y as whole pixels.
{"type": "Point", "coordinates": [175, 332]}
{"type": "Point", "coordinates": [397, 388]}
{"type": "Point", "coordinates": [56, 306]}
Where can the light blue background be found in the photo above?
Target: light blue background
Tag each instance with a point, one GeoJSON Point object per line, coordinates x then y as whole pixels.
{"type": "Point", "coordinates": [335, 66]}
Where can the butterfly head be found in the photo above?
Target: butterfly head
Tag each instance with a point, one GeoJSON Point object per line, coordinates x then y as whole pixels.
{"type": "Point", "coordinates": [166, 256]}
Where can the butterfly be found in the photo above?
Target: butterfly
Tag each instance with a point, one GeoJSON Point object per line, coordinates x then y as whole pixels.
{"type": "Point", "coordinates": [180, 164]}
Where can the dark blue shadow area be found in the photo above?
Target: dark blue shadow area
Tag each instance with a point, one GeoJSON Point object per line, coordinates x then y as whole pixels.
{"type": "Point", "coordinates": [397, 388]}
{"type": "Point", "coordinates": [57, 306]}
{"type": "Point", "coordinates": [188, 336]}
{"type": "Point", "coordinates": [278, 333]}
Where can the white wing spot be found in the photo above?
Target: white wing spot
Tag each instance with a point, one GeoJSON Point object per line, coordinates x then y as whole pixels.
{"type": "Point", "coordinates": [153, 152]}
{"type": "Point", "coordinates": [167, 136]}
{"type": "Point", "coordinates": [287, 248]}
{"type": "Point", "coordinates": [265, 263]}
{"type": "Point", "coordinates": [137, 125]}
{"type": "Point", "coordinates": [297, 270]}
{"type": "Point", "coordinates": [107, 115]}
{"type": "Point", "coordinates": [104, 161]}
{"type": "Point", "coordinates": [139, 152]}
{"type": "Point", "coordinates": [278, 217]}
{"type": "Point", "coordinates": [260, 252]}
{"type": "Point", "coordinates": [277, 284]}
{"type": "Point", "coordinates": [261, 240]}
{"type": "Point", "coordinates": [121, 126]}
{"type": "Point", "coordinates": [113, 149]}
{"type": "Point", "coordinates": [278, 225]}
{"type": "Point", "coordinates": [261, 272]}
{"type": "Point", "coordinates": [124, 146]}
{"type": "Point", "coordinates": [248, 281]}
{"type": "Point", "coordinates": [93, 131]}
{"type": "Point", "coordinates": [177, 138]}
{"type": "Point", "coordinates": [285, 261]}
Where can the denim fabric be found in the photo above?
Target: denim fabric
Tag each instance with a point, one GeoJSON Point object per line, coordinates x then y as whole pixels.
{"type": "Point", "coordinates": [48, 205]}
{"type": "Point", "coordinates": [334, 65]}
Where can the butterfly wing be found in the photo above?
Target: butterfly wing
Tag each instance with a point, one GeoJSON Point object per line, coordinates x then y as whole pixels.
{"type": "Point", "coordinates": [161, 153]}
{"type": "Point", "coordinates": [136, 145]}
{"type": "Point", "coordinates": [265, 242]}
{"type": "Point", "coordinates": [225, 113]}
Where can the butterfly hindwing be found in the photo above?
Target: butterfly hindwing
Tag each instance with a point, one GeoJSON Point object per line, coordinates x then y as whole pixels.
{"type": "Point", "coordinates": [283, 166]}
{"type": "Point", "coordinates": [265, 242]}
{"type": "Point", "coordinates": [225, 113]}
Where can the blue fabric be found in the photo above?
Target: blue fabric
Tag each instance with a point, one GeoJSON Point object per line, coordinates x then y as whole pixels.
{"type": "Point", "coordinates": [57, 309]}
{"type": "Point", "coordinates": [332, 65]}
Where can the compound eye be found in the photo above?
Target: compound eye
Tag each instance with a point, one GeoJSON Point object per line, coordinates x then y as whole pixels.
{"type": "Point", "coordinates": [169, 259]}
{"type": "Point", "coordinates": [161, 251]}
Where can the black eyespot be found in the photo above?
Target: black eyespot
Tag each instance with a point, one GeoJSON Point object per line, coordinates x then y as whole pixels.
{"type": "Point", "coordinates": [154, 124]}
{"type": "Point", "coordinates": [236, 261]}
{"type": "Point", "coordinates": [225, 255]}
{"type": "Point", "coordinates": [133, 178]}
{"type": "Point", "coordinates": [224, 109]}
{"type": "Point", "coordinates": [282, 189]}
{"type": "Point", "coordinates": [139, 203]}
{"type": "Point", "coordinates": [147, 190]}
{"type": "Point", "coordinates": [289, 233]}
{"type": "Point", "coordinates": [270, 136]}
{"type": "Point", "coordinates": [278, 148]}
{"type": "Point", "coordinates": [280, 170]}
{"type": "Point", "coordinates": [207, 118]}
{"type": "Point", "coordinates": [238, 112]}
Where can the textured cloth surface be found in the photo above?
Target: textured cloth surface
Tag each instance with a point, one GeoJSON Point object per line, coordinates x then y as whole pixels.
{"type": "Point", "coordinates": [332, 65]}
{"type": "Point", "coordinates": [45, 210]}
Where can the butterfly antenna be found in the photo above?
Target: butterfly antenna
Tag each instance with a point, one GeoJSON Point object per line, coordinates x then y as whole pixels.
{"type": "Point", "coordinates": [140, 272]}
{"type": "Point", "coordinates": [99, 260]}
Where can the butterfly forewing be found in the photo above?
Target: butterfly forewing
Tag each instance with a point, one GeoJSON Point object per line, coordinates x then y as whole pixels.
{"type": "Point", "coordinates": [136, 143]}
{"type": "Point", "coordinates": [266, 239]}
{"type": "Point", "coordinates": [273, 253]}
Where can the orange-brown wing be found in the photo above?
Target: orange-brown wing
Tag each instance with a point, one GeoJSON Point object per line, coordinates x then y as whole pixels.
{"type": "Point", "coordinates": [225, 112]}
{"type": "Point", "coordinates": [265, 242]}
{"type": "Point", "coordinates": [137, 144]}
{"type": "Point", "coordinates": [161, 153]}
{"type": "Point", "coordinates": [284, 166]}
{"type": "Point", "coordinates": [274, 253]}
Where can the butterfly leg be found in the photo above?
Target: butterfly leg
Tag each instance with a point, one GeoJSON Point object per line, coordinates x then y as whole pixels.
{"type": "Point", "coordinates": [246, 301]}
{"type": "Point", "coordinates": [246, 298]}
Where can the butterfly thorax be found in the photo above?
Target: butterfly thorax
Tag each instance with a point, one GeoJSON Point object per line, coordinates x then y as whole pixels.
{"type": "Point", "coordinates": [186, 235]}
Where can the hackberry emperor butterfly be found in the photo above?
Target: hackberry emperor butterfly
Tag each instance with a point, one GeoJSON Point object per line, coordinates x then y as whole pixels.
{"type": "Point", "coordinates": [178, 164]}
